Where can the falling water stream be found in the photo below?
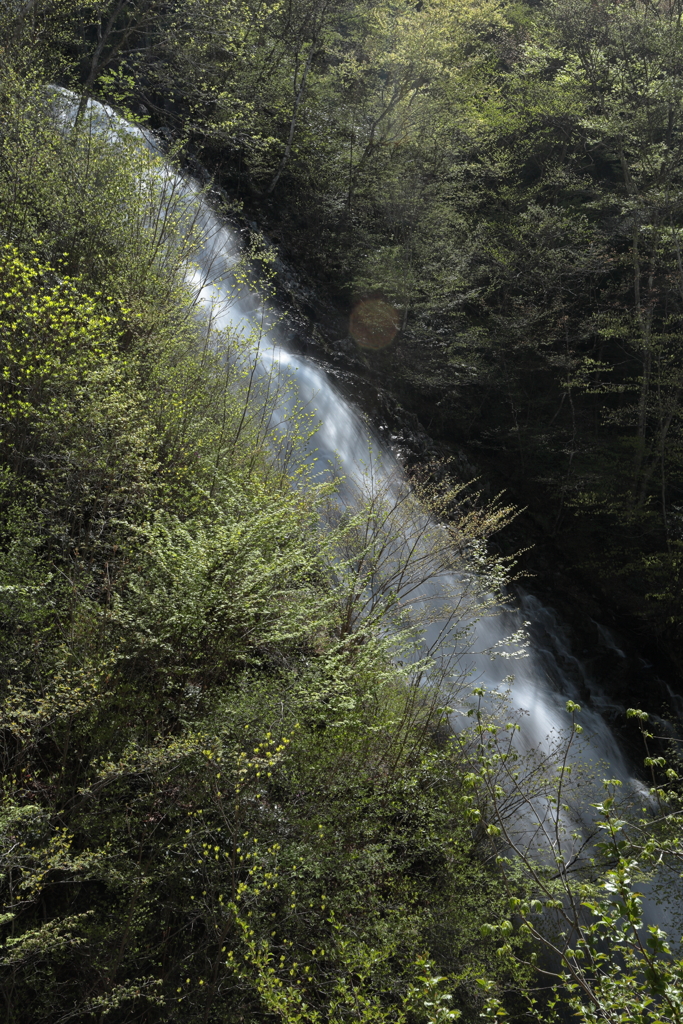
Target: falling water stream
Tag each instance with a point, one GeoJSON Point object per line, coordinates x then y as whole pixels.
{"type": "Point", "coordinates": [533, 688]}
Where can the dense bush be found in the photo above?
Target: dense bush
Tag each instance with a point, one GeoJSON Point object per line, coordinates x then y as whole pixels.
{"type": "Point", "coordinates": [222, 799]}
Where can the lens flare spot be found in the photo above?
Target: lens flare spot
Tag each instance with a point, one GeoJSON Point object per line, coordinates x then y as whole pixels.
{"type": "Point", "coordinates": [374, 323]}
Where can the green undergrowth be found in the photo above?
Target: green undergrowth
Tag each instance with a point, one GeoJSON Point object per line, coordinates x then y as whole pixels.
{"type": "Point", "coordinates": [224, 798]}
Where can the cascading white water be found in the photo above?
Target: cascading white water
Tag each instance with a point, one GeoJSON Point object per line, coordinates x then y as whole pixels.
{"type": "Point", "coordinates": [535, 686]}
{"type": "Point", "coordinates": [347, 445]}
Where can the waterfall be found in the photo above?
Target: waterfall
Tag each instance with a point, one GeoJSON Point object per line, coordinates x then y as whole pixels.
{"type": "Point", "coordinates": [532, 685]}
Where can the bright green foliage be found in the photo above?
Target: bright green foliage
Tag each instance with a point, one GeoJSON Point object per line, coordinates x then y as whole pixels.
{"type": "Point", "coordinates": [588, 914]}
{"type": "Point", "coordinates": [222, 800]}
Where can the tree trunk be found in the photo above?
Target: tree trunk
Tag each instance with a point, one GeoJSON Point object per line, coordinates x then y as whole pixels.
{"type": "Point", "coordinates": [292, 127]}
